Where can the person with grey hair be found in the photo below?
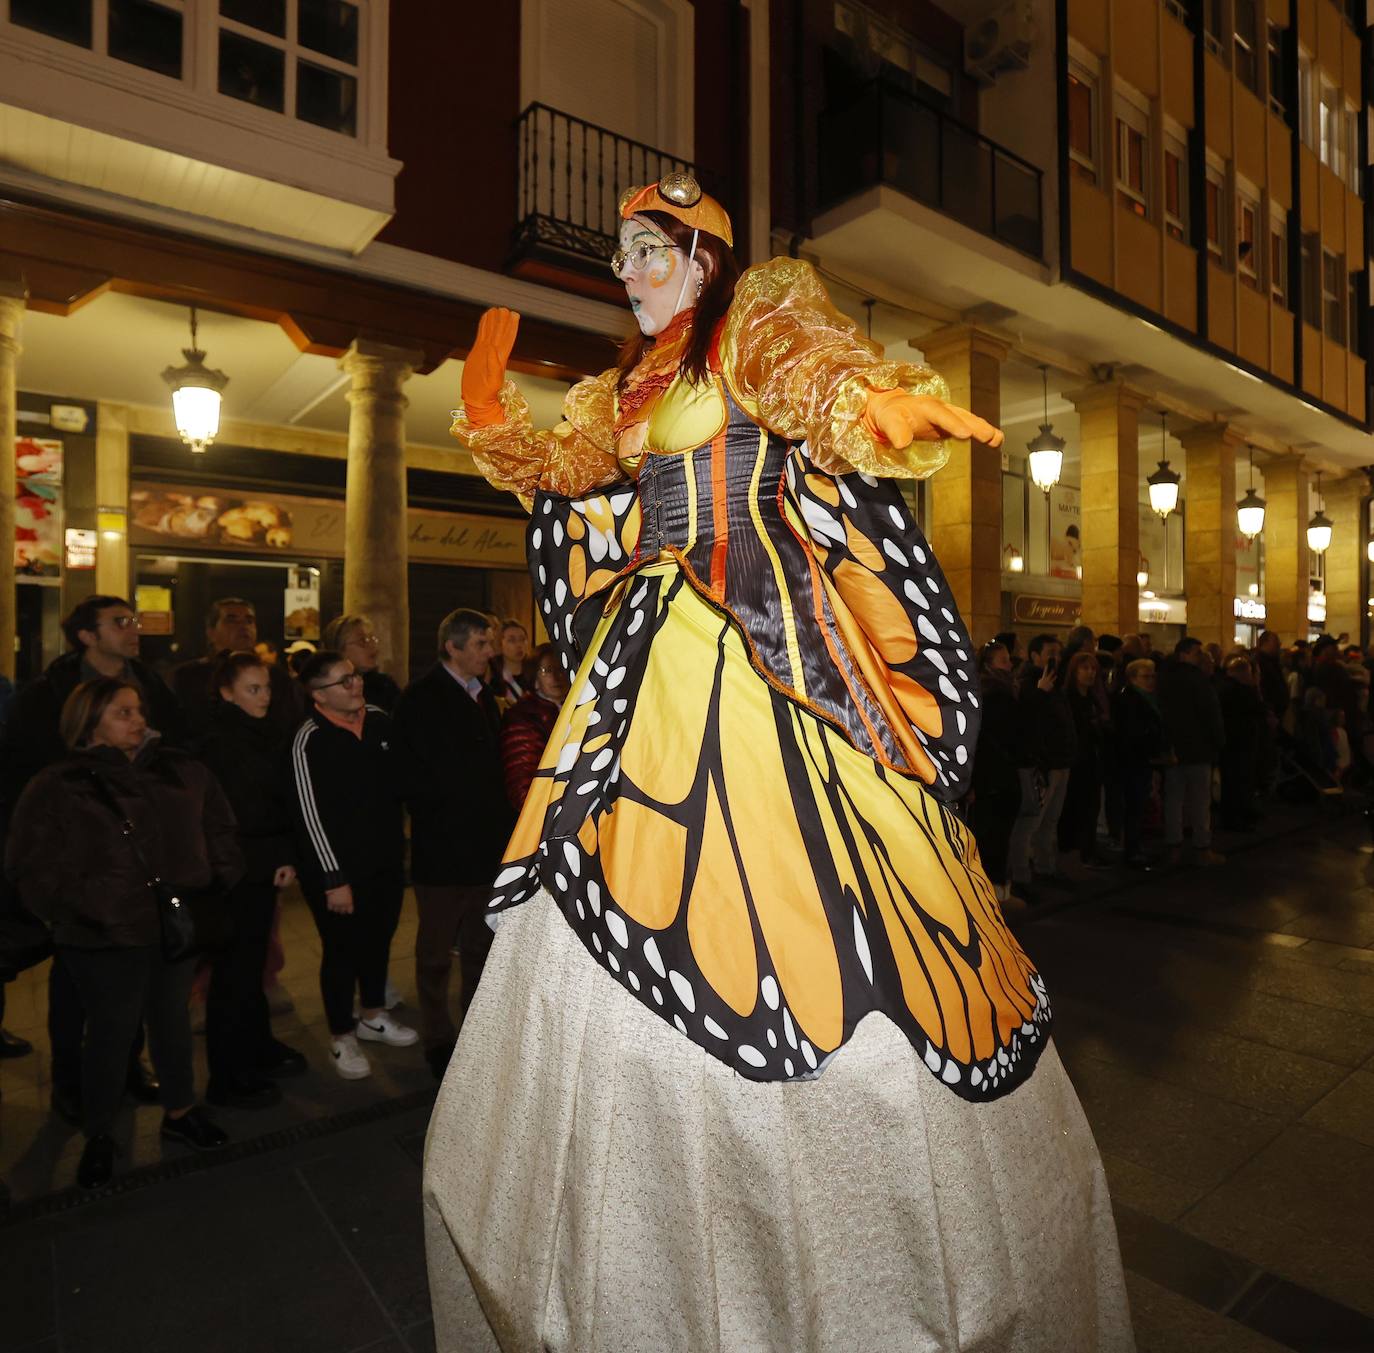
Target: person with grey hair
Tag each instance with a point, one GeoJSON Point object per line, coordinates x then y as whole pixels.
{"type": "Point", "coordinates": [355, 637]}
{"type": "Point", "coordinates": [448, 729]}
{"type": "Point", "coordinates": [231, 626]}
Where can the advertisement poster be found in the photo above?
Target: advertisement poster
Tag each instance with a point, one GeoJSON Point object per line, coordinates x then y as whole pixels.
{"type": "Point", "coordinates": [38, 540]}
{"type": "Point", "coordinates": [1066, 546]}
{"type": "Point", "coordinates": [301, 605]}
{"type": "Point", "coordinates": [166, 516]}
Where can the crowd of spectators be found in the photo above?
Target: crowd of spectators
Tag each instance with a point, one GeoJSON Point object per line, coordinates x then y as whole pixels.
{"type": "Point", "coordinates": [130, 803]}
{"type": "Point", "coordinates": [1089, 740]}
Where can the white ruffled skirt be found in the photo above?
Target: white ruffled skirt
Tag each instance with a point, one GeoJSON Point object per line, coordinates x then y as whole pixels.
{"type": "Point", "coordinates": [584, 1193]}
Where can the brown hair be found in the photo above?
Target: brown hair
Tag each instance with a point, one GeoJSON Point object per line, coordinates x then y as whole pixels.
{"type": "Point", "coordinates": [335, 634]}
{"type": "Point", "coordinates": [720, 272]}
{"type": "Point", "coordinates": [529, 672]}
{"type": "Point", "coordinates": [86, 706]}
{"type": "Point", "coordinates": [229, 667]}
{"type": "Point", "coordinates": [1079, 659]}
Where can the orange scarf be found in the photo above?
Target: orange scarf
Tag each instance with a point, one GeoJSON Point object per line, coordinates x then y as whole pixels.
{"type": "Point", "coordinates": [656, 371]}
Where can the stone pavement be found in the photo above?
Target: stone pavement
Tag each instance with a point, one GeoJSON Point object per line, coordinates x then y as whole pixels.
{"type": "Point", "coordinates": [1218, 1025]}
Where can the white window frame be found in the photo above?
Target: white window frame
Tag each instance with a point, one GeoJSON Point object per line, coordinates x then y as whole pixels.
{"type": "Point", "coordinates": [1218, 176]}
{"type": "Point", "coordinates": [1254, 46]}
{"type": "Point", "coordinates": [1175, 145]}
{"type": "Point", "coordinates": [1216, 29]}
{"type": "Point", "coordinates": [1250, 271]}
{"type": "Point", "coordinates": [100, 37]}
{"type": "Point", "coordinates": [1307, 101]}
{"type": "Point", "coordinates": [1339, 297]}
{"type": "Point", "coordinates": [1278, 259]}
{"type": "Point", "coordinates": [1131, 117]}
{"type": "Point", "coordinates": [1272, 47]}
{"type": "Point", "coordinates": [1331, 127]}
{"type": "Point", "coordinates": [1087, 75]}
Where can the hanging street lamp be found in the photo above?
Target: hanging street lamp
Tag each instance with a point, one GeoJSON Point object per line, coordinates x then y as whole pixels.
{"type": "Point", "coordinates": [196, 391]}
{"type": "Point", "coordinates": [1164, 482]}
{"type": "Point", "coordinates": [1046, 458]}
{"type": "Point", "coordinates": [1142, 572]}
{"type": "Point", "coordinates": [1319, 528]}
{"type": "Point", "coordinates": [1250, 509]}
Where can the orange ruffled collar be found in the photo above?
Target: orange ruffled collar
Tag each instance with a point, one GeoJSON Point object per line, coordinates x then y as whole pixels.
{"type": "Point", "coordinates": [656, 371]}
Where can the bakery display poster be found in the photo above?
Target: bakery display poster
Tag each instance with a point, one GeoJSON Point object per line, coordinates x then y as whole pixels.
{"type": "Point", "coordinates": [301, 606]}
{"type": "Point", "coordinates": [168, 515]}
{"type": "Point", "coordinates": [37, 508]}
{"type": "Point", "coordinates": [1066, 544]}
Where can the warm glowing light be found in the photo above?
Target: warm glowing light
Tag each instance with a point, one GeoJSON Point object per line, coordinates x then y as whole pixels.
{"type": "Point", "coordinates": [1250, 514]}
{"type": "Point", "coordinates": [195, 395]}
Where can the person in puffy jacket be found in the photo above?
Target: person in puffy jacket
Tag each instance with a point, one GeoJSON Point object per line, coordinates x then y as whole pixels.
{"type": "Point", "coordinates": [246, 750]}
{"type": "Point", "coordinates": [529, 721]}
{"type": "Point", "coordinates": [77, 870]}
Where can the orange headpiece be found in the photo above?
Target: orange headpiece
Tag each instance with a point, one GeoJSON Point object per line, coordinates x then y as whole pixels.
{"type": "Point", "coordinates": [679, 194]}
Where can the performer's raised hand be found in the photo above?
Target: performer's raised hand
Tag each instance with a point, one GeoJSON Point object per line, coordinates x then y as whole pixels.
{"type": "Point", "coordinates": [484, 372]}
{"type": "Point", "coordinates": [901, 419]}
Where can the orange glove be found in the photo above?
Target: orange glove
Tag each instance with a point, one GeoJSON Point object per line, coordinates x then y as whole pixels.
{"type": "Point", "coordinates": [897, 418]}
{"type": "Point", "coordinates": [484, 372]}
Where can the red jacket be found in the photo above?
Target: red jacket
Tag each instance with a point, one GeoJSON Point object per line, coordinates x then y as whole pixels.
{"type": "Point", "coordinates": [524, 732]}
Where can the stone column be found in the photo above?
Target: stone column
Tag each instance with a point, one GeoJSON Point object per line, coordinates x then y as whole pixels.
{"type": "Point", "coordinates": [1345, 596]}
{"type": "Point", "coordinates": [375, 537]}
{"type": "Point", "coordinates": [1108, 423]}
{"type": "Point", "coordinates": [1286, 511]}
{"type": "Point", "coordinates": [1209, 541]}
{"type": "Point", "coordinates": [112, 491]}
{"type": "Point", "coordinates": [13, 296]}
{"type": "Point", "coordinates": [965, 498]}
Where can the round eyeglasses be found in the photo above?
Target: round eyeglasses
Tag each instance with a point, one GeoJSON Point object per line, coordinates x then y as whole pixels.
{"type": "Point", "coordinates": [625, 261]}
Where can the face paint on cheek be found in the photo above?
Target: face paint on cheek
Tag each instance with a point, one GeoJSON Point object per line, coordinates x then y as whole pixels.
{"type": "Point", "coordinates": [662, 269]}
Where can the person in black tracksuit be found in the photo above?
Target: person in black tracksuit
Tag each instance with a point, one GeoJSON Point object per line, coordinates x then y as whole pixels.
{"type": "Point", "coordinates": [246, 750]}
{"type": "Point", "coordinates": [351, 846]}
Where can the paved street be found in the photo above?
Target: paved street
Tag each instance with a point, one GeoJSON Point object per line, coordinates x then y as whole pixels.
{"type": "Point", "coordinates": [1219, 1027]}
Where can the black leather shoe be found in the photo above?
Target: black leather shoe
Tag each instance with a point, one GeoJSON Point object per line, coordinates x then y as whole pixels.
{"type": "Point", "coordinates": [67, 1106]}
{"type": "Point", "coordinates": [254, 1094]}
{"type": "Point", "coordinates": [143, 1085]}
{"type": "Point", "coordinates": [278, 1059]}
{"type": "Point", "coordinates": [11, 1045]}
{"type": "Point", "coordinates": [196, 1130]}
{"type": "Point", "coordinates": [97, 1162]}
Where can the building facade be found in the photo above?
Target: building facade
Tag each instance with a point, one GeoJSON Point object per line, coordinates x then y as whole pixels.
{"type": "Point", "coordinates": [1139, 223]}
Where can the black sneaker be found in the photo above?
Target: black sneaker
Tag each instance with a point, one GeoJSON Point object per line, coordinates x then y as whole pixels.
{"type": "Point", "coordinates": [97, 1162]}
{"type": "Point", "coordinates": [11, 1045]}
{"type": "Point", "coordinates": [278, 1059]}
{"type": "Point", "coordinates": [259, 1093]}
{"type": "Point", "coordinates": [195, 1130]}
{"type": "Point", "coordinates": [67, 1106]}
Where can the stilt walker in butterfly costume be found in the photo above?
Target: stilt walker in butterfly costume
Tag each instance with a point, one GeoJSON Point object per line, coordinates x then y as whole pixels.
{"type": "Point", "coordinates": [755, 1063]}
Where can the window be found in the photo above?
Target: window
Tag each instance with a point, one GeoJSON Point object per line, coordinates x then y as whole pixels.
{"type": "Point", "coordinates": [1249, 247]}
{"type": "Point", "coordinates": [1179, 9]}
{"type": "Point", "coordinates": [1311, 280]}
{"type": "Point", "coordinates": [1216, 213]}
{"type": "Point", "coordinates": [1331, 129]}
{"type": "Point", "coordinates": [297, 57]}
{"type": "Point", "coordinates": [1278, 256]}
{"type": "Point", "coordinates": [1132, 154]}
{"type": "Point", "coordinates": [1175, 187]}
{"type": "Point", "coordinates": [1307, 122]}
{"type": "Point", "coordinates": [1333, 295]}
{"type": "Point", "coordinates": [146, 33]}
{"type": "Point", "coordinates": [1356, 315]}
{"type": "Point", "coordinates": [1245, 28]}
{"type": "Point", "coordinates": [1082, 123]}
{"type": "Point", "coordinates": [1214, 27]}
{"type": "Point", "coordinates": [1352, 148]}
{"type": "Point", "coordinates": [1278, 68]}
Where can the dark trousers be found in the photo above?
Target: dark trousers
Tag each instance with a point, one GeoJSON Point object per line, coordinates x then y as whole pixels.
{"type": "Point", "coordinates": [452, 915]}
{"type": "Point", "coordinates": [1137, 783]}
{"type": "Point", "coordinates": [237, 1022]}
{"type": "Point", "coordinates": [357, 947]}
{"type": "Point", "coordinates": [66, 1027]}
{"type": "Point", "coordinates": [991, 819]}
{"type": "Point", "coordinates": [119, 988]}
{"type": "Point", "coordinates": [1237, 786]}
{"type": "Point", "coordinates": [1082, 803]}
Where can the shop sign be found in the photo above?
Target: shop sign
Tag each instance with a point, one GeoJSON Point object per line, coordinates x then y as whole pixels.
{"type": "Point", "coordinates": [1027, 610]}
{"type": "Point", "coordinates": [1316, 608]}
{"type": "Point", "coordinates": [38, 540]}
{"type": "Point", "coordinates": [1163, 611]}
{"type": "Point", "coordinates": [165, 516]}
{"type": "Point", "coordinates": [153, 603]}
{"type": "Point", "coordinates": [301, 606]}
{"type": "Point", "coordinates": [79, 547]}
{"type": "Point", "coordinates": [1247, 608]}
{"type": "Point", "coordinates": [1066, 547]}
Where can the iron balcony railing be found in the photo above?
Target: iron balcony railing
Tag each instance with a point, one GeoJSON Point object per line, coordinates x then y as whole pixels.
{"type": "Point", "coordinates": [886, 135]}
{"type": "Point", "coordinates": [571, 176]}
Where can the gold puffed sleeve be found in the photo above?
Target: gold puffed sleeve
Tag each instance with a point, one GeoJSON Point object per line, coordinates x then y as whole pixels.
{"type": "Point", "coordinates": [810, 373]}
{"type": "Point", "coordinates": [572, 459]}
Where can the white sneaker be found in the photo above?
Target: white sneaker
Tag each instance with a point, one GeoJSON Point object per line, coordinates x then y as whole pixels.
{"type": "Point", "coordinates": [384, 1029]}
{"type": "Point", "coordinates": [349, 1061]}
{"type": "Point", "coordinates": [393, 997]}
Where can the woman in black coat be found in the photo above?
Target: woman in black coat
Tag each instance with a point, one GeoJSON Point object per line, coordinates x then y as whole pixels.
{"type": "Point", "coordinates": [996, 777]}
{"type": "Point", "coordinates": [247, 752]}
{"type": "Point", "coordinates": [1141, 748]}
{"type": "Point", "coordinates": [77, 871]}
{"type": "Point", "coordinates": [1083, 798]}
{"type": "Point", "coordinates": [1244, 719]}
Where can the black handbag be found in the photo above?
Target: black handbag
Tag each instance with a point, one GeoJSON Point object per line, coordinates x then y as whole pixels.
{"type": "Point", "coordinates": [24, 940]}
{"type": "Point", "coordinates": [174, 912]}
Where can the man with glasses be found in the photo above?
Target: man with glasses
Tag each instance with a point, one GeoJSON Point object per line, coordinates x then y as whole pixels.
{"type": "Point", "coordinates": [103, 634]}
{"type": "Point", "coordinates": [347, 793]}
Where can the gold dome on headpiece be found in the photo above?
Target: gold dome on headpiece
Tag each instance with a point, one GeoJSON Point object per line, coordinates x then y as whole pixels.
{"type": "Point", "coordinates": [679, 194]}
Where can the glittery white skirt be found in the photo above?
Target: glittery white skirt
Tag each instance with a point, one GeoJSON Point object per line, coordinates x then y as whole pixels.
{"type": "Point", "coordinates": [586, 1192]}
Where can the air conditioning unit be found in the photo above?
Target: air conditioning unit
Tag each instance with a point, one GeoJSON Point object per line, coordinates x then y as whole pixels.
{"type": "Point", "coordinates": [1000, 42]}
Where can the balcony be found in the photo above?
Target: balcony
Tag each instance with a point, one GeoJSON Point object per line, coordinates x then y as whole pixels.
{"type": "Point", "coordinates": [887, 137]}
{"type": "Point", "coordinates": [572, 174]}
